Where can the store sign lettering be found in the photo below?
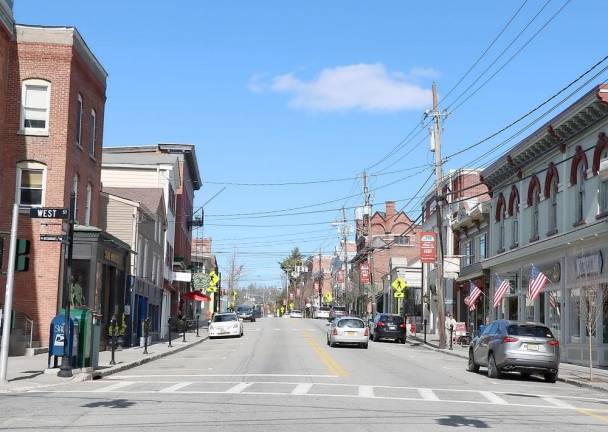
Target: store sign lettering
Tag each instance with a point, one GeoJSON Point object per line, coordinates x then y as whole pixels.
{"type": "Point", "coordinates": [589, 265]}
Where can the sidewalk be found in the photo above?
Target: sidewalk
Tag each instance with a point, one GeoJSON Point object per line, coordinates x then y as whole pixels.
{"type": "Point", "coordinates": [27, 373]}
{"type": "Point", "coordinates": [568, 373]}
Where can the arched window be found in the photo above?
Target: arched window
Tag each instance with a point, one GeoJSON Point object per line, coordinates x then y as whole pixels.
{"type": "Point", "coordinates": [553, 189]}
{"type": "Point", "coordinates": [500, 219]}
{"type": "Point", "coordinates": [601, 154]}
{"type": "Point", "coordinates": [580, 195]}
{"type": "Point", "coordinates": [35, 107]}
{"type": "Point", "coordinates": [31, 184]}
{"type": "Point", "coordinates": [533, 203]}
{"type": "Point", "coordinates": [515, 223]}
{"type": "Point", "coordinates": [603, 198]}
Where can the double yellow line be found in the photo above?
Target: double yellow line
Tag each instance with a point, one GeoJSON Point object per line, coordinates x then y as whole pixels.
{"type": "Point", "coordinates": [332, 365]}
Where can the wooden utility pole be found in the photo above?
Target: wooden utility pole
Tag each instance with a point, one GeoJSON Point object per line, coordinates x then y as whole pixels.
{"type": "Point", "coordinates": [320, 279]}
{"type": "Point", "coordinates": [344, 239]}
{"type": "Point", "coordinates": [367, 216]}
{"type": "Point", "coordinates": [436, 139]}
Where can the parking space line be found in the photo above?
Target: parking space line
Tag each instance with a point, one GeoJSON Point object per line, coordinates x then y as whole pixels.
{"type": "Point", "coordinates": [238, 388]}
{"type": "Point", "coordinates": [427, 394]}
{"type": "Point", "coordinates": [113, 387]}
{"type": "Point", "coordinates": [494, 398]}
{"type": "Point", "coordinates": [557, 402]}
{"type": "Point", "coordinates": [175, 387]}
{"type": "Point", "coordinates": [301, 389]}
{"type": "Point", "coordinates": [366, 391]}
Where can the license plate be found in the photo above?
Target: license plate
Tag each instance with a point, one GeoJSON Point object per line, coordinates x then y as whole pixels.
{"type": "Point", "coordinates": [350, 333]}
{"type": "Point", "coordinates": [392, 327]}
{"type": "Point", "coordinates": [532, 347]}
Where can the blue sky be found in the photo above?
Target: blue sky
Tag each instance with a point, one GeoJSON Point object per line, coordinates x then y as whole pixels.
{"type": "Point", "coordinates": [275, 91]}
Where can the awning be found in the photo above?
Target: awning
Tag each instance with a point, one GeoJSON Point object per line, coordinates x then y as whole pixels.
{"type": "Point", "coordinates": [196, 296]}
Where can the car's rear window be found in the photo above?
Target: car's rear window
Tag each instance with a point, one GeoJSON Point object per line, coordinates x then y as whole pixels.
{"type": "Point", "coordinates": [351, 323]}
{"type": "Point", "coordinates": [296, 311]}
{"type": "Point", "coordinates": [324, 309]}
{"type": "Point", "coordinates": [340, 308]}
{"type": "Point", "coordinates": [529, 330]}
{"type": "Point", "coordinates": [222, 318]}
{"type": "Point", "coordinates": [391, 319]}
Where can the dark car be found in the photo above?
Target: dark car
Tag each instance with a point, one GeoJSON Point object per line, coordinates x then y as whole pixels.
{"type": "Point", "coordinates": [337, 312]}
{"type": "Point", "coordinates": [246, 313]}
{"type": "Point", "coordinates": [515, 346]}
{"type": "Point", "coordinates": [387, 326]}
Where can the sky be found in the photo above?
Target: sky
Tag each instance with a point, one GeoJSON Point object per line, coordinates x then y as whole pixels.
{"type": "Point", "coordinates": [316, 91]}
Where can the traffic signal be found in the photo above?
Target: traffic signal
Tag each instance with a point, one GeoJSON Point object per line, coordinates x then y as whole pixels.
{"type": "Point", "coordinates": [22, 260]}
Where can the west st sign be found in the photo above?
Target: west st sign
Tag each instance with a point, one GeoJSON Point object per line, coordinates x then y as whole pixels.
{"type": "Point", "coordinates": [49, 213]}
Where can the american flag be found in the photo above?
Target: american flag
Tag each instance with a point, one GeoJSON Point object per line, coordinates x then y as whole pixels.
{"type": "Point", "coordinates": [471, 299]}
{"type": "Point", "coordinates": [554, 302]}
{"type": "Point", "coordinates": [537, 282]}
{"type": "Point", "coordinates": [502, 286]}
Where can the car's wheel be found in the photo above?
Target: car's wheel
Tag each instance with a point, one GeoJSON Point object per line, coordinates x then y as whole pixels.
{"type": "Point", "coordinates": [473, 367]}
{"type": "Point", "coordinates": [493, 371]}
{"type": "Point", "coordinates": [332, 344]}
{"type": "Point", "coordinates": [327, 341]}
{"type": "Point", "coordinates": [551, 377]}
{"type": "Point", "coordinates": [364, 345]}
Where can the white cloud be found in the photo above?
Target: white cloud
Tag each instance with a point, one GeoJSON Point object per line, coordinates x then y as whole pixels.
{"type": "Point", "coordinates": [422, 72]}
{"type": "Point", "coordinates": [366, 87]}
{"type": "Point", "coordinates": [256, 84]}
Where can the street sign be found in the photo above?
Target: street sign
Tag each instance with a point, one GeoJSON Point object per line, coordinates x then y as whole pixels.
{"type": "Point", "coordinates": [327, 297]}
{"type": "Point", "coordinates": [399, 284]}
{"type": "Point", "coordinates": [46, 237]}
{"type": "Point", "coordinates": [428, 251]}
{"type": "Point", "coordinates": [399, 294]}
{"type": "Point", "coordinates": [211, 289]}
{"type": "Point", "coordinates": [213, 279]}
{"type": "Point", "coordinates": [50, 213]}
{"type": "Point", "coordinates": [364, 273]}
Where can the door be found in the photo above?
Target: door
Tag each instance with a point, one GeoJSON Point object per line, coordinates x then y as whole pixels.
{"type": "Point", "coordinates": [481, 352]}
{"type": "Point", "coordinates": [142, 312]}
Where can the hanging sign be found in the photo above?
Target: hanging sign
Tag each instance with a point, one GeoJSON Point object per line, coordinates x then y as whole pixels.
{"type": "Point", "coordinates": [428, 251]}
{"type": "Point", "coordinates": [364, 273]}
{"type": "Point", "coordinates": [340, 277]}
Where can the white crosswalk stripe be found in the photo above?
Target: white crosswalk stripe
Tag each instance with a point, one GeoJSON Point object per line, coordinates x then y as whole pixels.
{"type": "Point", "coordinates": [238, 388]}
{"type": "Point", "coordinates": [493, 397]}
{"type": "Point", "coordinates": [427, 394]}
{"type": "Point", "coordinates": [558, 402]}
{"type": "Point", "coordinates": [114, 387]}
{"type": "Point", "coordinates": [301, 389]}
{"type": "Point", "coordinates": [175, 387]}
{"type": "Point", "coordinates": [366, 391]}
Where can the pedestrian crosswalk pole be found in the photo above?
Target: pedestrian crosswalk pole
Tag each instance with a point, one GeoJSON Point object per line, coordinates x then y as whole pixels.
{"type": "Point", "coordinates": [8, 296]}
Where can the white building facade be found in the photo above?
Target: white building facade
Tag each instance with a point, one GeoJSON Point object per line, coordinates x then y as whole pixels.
{"type": "Point", "coordinates": [550, 210]}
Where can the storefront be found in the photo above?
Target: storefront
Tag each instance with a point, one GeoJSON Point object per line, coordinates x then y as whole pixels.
{"type": "Point", "coordinates": [481, 314]}
{"type": "Point", "coordinates": [145, 301]}
{"type": "Point", "coordinates": [98, 275]}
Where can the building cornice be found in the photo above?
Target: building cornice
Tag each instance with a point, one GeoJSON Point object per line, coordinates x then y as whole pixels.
{"type": "Point", "coordinates": [6, 16]}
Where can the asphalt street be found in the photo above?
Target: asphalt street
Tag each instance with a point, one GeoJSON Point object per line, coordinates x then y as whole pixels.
{"type": "Point", "coordinates": [281, 375]}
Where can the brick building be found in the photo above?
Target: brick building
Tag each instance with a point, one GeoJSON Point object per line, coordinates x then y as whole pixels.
{"type": "Point", "coordinates": [53, 98]}
{"type": "Point", "coordinates": [380, 237]}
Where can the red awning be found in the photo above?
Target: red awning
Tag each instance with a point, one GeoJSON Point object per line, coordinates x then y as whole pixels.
{"type": "Point", "coordinates": [196, 296]}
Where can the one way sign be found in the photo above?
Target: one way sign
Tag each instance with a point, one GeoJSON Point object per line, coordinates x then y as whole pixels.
{"type": "Point", "coordinates": [50, 213]}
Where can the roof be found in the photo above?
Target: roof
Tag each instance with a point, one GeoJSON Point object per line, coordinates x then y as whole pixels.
{"type": "Point", "coordinates": [150, 198]}
{"type": "Point", "coordinates": [109, 157]}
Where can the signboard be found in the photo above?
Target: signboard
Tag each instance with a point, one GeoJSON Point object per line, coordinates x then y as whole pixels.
{"type": "Point", "coordinates": [340, 277]}
{"type": "Point", "coordinates": [399, 294]}
{"type": "Point", "coordinates": [213, 279]}
{"type": "Point", "coordinates": [427, 241]}
{"type": "Point", "coordinates": [49, 213]}
{"type": "Point", "coordinates": [200, 281]}
{"type": "Point", "coordinates": [364, 273]}
{"type": "Point", "coordinates": [327, 297]}
{"type": "Point", "coordinates": [45, 237]}
{"type": "Point", "coordinates": [589, 265]}
{"type": "Point", "coordinates": [183, 276]}
{"type": "Point", "coordinates": [399, 284]}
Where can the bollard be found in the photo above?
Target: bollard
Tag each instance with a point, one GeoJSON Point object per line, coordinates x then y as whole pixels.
{"type": "Point", "coordinates": [197, 316]}
{"type": "Point", "coordinates": [424, 330]}
{"type": "Point", "coordinates": [184, 327]}
{"type": "Point", "coordinates": [169, 346]}
{"type": "Point", "coordinates": [451, 333]}
{"type": "Point", "coordinates": [113, 361]}
{"type": "Point", "coordinates": [146, 324]}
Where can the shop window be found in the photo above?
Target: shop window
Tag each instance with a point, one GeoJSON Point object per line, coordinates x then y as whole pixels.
{"type": "Point", "coordinates": [554, 311]}
{"type": "Point", "coordinates": [31, 181]}
{"type": "Point", "coordinates": [35, 103]}
{"type": "Point", "coordinates": [79, 287]}
{"type": "Point", "coordinates": [575, 315]}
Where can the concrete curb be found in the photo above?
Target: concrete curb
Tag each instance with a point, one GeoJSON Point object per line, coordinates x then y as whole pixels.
{"type": "Point", "coordinates": [125, 366]}
{"type": "Point", "coordinates": [570, 381]}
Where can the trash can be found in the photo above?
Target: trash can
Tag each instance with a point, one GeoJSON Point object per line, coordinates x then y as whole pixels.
{"type": "Point", "coordinates": [57, 340]}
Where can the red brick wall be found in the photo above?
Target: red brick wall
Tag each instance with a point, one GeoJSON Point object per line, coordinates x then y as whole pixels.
{"type": "Point", "coordinates": [37, 290]}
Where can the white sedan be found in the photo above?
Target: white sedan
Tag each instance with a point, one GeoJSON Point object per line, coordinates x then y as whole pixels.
{"type": "Point", "coordinates": [296, 313]}
{"type": "Point", "coordinates": [225, 324]}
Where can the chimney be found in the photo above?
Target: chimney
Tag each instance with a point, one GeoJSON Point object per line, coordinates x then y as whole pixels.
{"type": "Point", "coordinates": [390, 209]}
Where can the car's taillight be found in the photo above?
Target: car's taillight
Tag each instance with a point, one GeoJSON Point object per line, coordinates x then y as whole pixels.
{"type": "Point", "coordinates": [366, 332]}
{"type": "Point", "coordinates": [334, 332]}
{"type": "Point", "coordinates": [380, 324]}
{"type": "Point", "coordinates": [508, 339]}
{"type": "Point", "coordinates": [553, 343]}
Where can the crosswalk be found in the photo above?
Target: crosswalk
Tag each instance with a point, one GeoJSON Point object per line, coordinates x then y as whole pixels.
{"type": "Point", "coordinates": [134, 385]}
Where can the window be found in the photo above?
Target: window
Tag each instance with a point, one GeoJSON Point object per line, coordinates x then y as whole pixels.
{"type": "Point", "coordinates": [553, 208]}
{"type": "Point", "coordinates": [466, 251]}
{"type": "Point", "coordinates": [92, 132]}
{"type": "Point", "coordinates": [171, 199]}
{"type": "Point", "coordinates": [87, 205]}
{"type": "Point", "coordinates": [501, 231]}
{"type": "Point", "coordinates": [402, 240]}
{"type": "Point", "coordinates": [603, 197]}
{"type": "Point", "coordinates": [35, 101]}
{"type": "Point", "coordinates": [31, 179]}
{"type": "Point", "coordinates": [140, 256]}
{"type": "Point", "coordinates": [144, 272]}
{"type": "Point", "coordinates": [482, 246]}
{"type": "Point", "coordinates": [575, 315]}
{"type": "Point", "coordinates": [154, 278]}
{"type": "Point", "coordinates": [535, 214]}
{"type": "Point", "coordinates": [75, 192]}
{"type": "Point", "coordinates": [580, 194]}
{"type": "Point", "coordinates": [79, 112]}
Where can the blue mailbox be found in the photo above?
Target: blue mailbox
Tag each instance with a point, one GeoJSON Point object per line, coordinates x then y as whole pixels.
{"type": "Point", "coordinates": [57, 339]}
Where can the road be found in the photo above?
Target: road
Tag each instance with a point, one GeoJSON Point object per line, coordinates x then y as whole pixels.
{"type": "Point", "coordinates": [281, 376]}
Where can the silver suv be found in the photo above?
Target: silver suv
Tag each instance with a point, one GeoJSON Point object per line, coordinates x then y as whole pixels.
{"type": "Point", "coordinates": [515, 346]}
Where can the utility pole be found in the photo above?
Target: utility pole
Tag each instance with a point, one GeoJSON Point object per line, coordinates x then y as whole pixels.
{"type": "Point", "coordinates": [436, 140]}
{"type": "Point", "coordinates": [344, 239]}
{"type": "Point", "coordinates": [8, 296]}
{"type": "Point", "coordinates": [367, 210]}
{"type": "Point", "coordinates": [320, 281]}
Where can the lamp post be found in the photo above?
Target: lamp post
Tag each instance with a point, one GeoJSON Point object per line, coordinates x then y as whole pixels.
{"type": "Point", "coordinates": [65, 371]}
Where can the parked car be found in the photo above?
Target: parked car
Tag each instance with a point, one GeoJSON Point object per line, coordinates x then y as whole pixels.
{"type": "Point", "coordinates": [387, 326]}
{"type": "Point", "coordinates": [225, 324]}
{"type": "Point", "coordinates": [347, 330]}
{"type": "Point", "coordinates": [246, 313]}
{"type": "Point", "coordinates": [296, 313]}
{"type": "Point", "coordinates": [321, 313]}
{"type": "Point", "coordinates": [515, 346]}
{"type": "Point", "coordinates": [337, 312]}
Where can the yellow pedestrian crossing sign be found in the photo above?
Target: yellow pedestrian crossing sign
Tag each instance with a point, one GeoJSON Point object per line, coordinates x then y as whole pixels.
{"type": "Point", "coordinates": [399, 285]}
{"type": "Point", "coordinates": [327, 297]}
{"type": "Point", "coordinates": [211, 289]}
{"type": "Point", "coordinates": [213, 279]}
{"type": "Point", "coordinates": [399, 294]}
